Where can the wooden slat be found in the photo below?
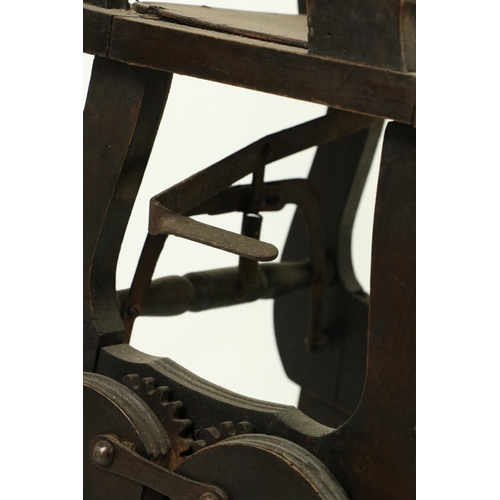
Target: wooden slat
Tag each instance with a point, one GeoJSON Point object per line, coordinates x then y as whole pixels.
{"type": "Point", "coordinates": [263, 66]}
{"type": "Point", "coordinates": [278, 28]}
{"type": "Point", "coordinates": [260, 65]}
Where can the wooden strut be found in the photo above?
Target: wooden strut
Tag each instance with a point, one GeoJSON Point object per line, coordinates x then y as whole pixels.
{"type": "Point", "coordinates": [246, 62]}
{"type": "Point", "coordinates": [122, 114]}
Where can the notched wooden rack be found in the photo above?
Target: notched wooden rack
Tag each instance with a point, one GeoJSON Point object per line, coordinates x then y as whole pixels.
{"type": "Point", "coordinates": [154, 430]}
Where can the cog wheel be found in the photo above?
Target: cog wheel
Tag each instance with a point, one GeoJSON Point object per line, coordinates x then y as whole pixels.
{"type": "Point", "coordinates": [226, 430]}
{"type": "Point", "coordinates": [167, 412]}
{"type": "Point", "coordinates": [110, 407]}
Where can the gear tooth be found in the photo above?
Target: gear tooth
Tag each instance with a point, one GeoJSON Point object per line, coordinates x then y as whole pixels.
{"type": "Point", "coordinates": [227, 430]}
{"type": "Point", "coordinates": [244, 428]}
{"type": "Point", "coordinates": [172, 408]}
{"type": "Point", "coordinates": [161, 394]}
{"type": "Point", "coordinates": [184, 445]}
{"type": "Point", "coordinates": [132, 381]}
{"type": "Point", "coordinates": [165, 400]}
{"type": "Point", "coordinates": [148, 385]}
{"type": "Point", "coordinates": [198, 445]}
{"type": "Point", "coordinates": [183, 424]}
{"type": "Point", "coordinates": [180, 427]}
{"type": "Point", "coordinates": [168, 413]}
{"type": "Point", "coordinates": [210, 435]}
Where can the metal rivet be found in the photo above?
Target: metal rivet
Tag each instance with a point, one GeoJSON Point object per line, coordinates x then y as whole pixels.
{"type": "Point", "coordinates": [103, 453]}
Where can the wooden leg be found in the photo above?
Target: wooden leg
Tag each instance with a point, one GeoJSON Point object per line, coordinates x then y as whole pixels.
{"type": "Point", "coordinates": [122, 114]}
{"type": "Point", "coordinates": [373, 454]}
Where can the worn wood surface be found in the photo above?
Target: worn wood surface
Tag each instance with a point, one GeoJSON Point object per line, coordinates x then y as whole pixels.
{"type": "Point", "coordinates": [370, 32]}
{"type": "Point", "coordinates": [96, 29]}
{"type": "Point", "coordinates": [260, 65]}
{"type": "Point", "coordinates": [332, 376]}
{"type": "Point", "coordinates": [207, 404]}
{"type": "Point", "coordinates": [373, 454]}
{"type": "Point", "coordinates": [122, 113]}
{"type": "Point", "coordinates": [278, 28]}
{"type": "Point", "coordinates": [409, 35]}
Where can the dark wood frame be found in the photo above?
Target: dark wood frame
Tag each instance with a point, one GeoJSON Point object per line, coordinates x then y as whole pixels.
{"type": "Point", "coordinates": [373, 453]}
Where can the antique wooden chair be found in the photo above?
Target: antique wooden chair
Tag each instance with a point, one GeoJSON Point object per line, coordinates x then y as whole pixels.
{"type": "Point", "coordinates": [152, 429]}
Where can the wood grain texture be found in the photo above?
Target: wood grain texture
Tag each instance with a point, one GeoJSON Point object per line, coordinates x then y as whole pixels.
{"type": "Point", "coordinates": [96, 30]}
{"type": "Point", "coordinates": [207, 404]}
{"type": "Point", "coordinates": [409, 35]}
{"type": "Point", "coordinates": [279, 28]}
{"type": "Point", "coordinates": [122, 113]}
{"type": "Point", "coordinates": [373, 454]}
{"type": "Point", "coordinates": [263, 66]}
{"type": "Point", "coordinates": [334, 374]}
{"type": "Point", "coordinates": [362, 31]}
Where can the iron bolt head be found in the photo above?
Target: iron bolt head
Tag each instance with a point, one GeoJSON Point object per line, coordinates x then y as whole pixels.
{"type": "Point", "coordinates": [103, 453]}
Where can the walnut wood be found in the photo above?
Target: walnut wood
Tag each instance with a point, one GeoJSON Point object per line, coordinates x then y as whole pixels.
{"type": "Point", "coordinates": [96, 29]}
{"type": "Point", "coordinates": [333, 375]}
{"type": "Point", "coordinates": [360, 58]}
{"type": "Point", "coordinates": [278, 28]}
{"type": "Point", "coordinates": [373, 454]}
{"type": "Point", "coordinates": [207, 404]}
{"type": "Point", "coordinates": [122, 113]}
{"type": "Point", "coordinates": [374, 32]}
{"type": "Point", "coordinates": [260, 65]}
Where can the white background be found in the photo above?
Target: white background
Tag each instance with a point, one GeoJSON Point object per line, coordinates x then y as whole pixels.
{"type": "Point", "coordinates": [204, 122]}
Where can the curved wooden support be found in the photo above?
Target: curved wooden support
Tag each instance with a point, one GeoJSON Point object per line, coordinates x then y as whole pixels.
{"type": "Point", "coordinates": [373, 454]}
{"type": "Point", "coordinates": [331, 377]}
{"type": "Point", "coordinates": [121, 117]}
